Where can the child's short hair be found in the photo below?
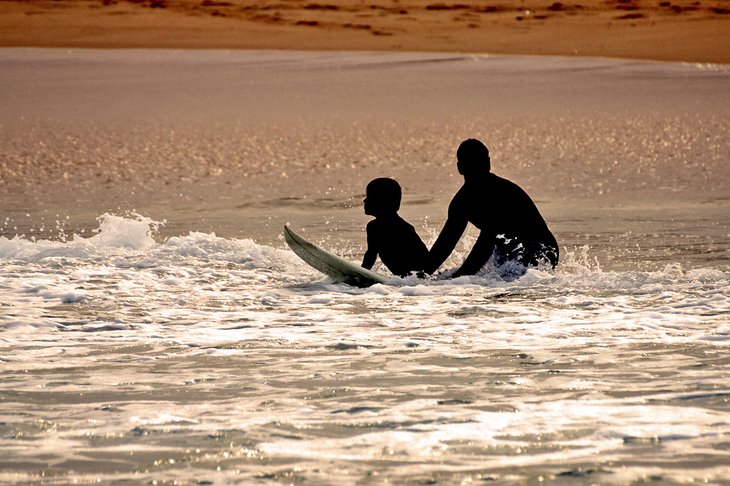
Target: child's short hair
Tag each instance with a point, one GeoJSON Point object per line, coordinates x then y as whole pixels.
{"type": "Point", "coordinates": [385, 192]}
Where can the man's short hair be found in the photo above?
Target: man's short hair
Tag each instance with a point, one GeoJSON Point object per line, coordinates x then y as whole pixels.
{"type": "Point", "coordinates": [473, 157]}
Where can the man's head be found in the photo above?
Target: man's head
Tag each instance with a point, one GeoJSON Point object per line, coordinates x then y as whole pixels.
{"type": "Point", "coordinates": [473, 158]}
{"type": "Point", "coordinates": [382, 197]}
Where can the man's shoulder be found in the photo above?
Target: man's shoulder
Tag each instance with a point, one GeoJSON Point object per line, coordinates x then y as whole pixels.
{"type": "Point", "coordinates": [506, 185]}
{"type": "Point", "coordinates": [502, 180]}
{"type": "Point", "coordinates": [461, 193]}
{"type": "Point", "coordinates": [460, 198]}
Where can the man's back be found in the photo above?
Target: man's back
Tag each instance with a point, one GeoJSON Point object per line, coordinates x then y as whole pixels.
{"type": "Point", "coordinates": [500, 207]}
{"type": "Point", "coordinates": [512, 228]}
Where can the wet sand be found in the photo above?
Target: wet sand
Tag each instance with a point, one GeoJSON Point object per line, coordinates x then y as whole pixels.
{"type": "Point", "coordinates": [677, 30]}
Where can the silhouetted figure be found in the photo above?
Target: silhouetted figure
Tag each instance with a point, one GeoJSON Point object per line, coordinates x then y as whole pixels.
{"type": "Point", "coordinates": [390, 236]}
{"type": "Point", "coordinates": [511, 226]}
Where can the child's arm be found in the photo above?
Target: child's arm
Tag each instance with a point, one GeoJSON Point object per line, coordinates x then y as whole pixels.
{"type": "Point", "coordinates": [371, 253]}
{"type": "Point", "coordinates": [369, 259]}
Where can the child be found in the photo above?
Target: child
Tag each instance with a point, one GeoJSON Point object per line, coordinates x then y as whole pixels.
{"type": "Point", "coordinates": [390, 236]}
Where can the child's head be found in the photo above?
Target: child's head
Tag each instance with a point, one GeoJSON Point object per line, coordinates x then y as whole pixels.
{"type": "Point", "coordinates": [382, 197]}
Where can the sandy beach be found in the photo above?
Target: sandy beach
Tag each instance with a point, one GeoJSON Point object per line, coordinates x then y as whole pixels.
{"type": "Point", "coordinates": [674, 30]}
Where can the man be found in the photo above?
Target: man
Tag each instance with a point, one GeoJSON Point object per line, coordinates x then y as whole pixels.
{"type": "Point", "coordinates": [511, 227]}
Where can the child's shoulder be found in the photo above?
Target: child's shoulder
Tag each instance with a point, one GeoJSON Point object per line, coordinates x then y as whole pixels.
{"type": "Point", "coordinates": [387, 225]}
{"type": "Point", "coordinates": [402, 223]}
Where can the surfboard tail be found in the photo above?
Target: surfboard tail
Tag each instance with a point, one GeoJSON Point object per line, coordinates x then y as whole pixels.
{"type": "Point", "coordinates": [330, 264]}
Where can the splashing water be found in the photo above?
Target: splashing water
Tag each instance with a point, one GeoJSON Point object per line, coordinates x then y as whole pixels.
{"type": "Point", "coordinates": [200, 352]}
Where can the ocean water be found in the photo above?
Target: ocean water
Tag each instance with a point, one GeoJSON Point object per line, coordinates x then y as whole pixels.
{"type": "Point", "coordinates": [155, 328]}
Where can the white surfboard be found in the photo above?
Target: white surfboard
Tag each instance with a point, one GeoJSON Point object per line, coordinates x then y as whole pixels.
{"type": "Point", "coordinates": [331, 265]}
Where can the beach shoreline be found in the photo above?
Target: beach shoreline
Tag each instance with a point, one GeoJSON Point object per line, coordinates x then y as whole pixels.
{"type": "Point", "coordinates": [683, 30]}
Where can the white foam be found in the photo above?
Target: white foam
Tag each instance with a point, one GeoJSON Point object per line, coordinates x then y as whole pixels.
{"type": "Point", "coordinates": [114, 233]}
{"type": "Point", "coordinates": [536, 356]}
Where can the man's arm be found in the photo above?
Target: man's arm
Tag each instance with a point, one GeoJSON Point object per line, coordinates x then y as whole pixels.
{"type": "Point", "coordinates": [446, 242]}
{"type": "Point", "coordinates": [478, 256]}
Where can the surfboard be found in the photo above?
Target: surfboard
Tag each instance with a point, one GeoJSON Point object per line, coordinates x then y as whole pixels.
{"type": "Point", "coordinates": [330, 264]}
